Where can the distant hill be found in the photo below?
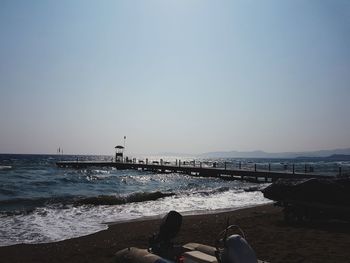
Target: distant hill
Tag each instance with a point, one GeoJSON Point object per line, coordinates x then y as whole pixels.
{"type": "Point", "coordinates": [334, 157]}
{"type": "Point", "coordinates": [262, 154]}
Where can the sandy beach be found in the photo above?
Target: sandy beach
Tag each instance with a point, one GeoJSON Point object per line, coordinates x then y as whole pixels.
{"type": "Point", "coordinates": [272, 239]}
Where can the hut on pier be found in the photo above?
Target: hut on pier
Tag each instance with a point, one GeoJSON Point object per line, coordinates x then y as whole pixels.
{"type": "Point", "coordinates": [119, 151]}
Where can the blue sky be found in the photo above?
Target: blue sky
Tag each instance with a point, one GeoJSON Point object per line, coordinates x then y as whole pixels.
{"type": "Point", "coordinates": [175, 76]}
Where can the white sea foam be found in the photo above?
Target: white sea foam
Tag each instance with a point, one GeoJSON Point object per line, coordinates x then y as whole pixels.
{"type": "Point", "coordinates": [52, 224]}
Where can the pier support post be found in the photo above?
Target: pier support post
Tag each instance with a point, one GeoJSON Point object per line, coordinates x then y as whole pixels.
{"type": "Point", "coordinates": [225, 165]}
{"type": "Point", "coordinates": [200, 164]}
{"type": "Point", "coordinates": [269, 167]}
{"type": "Point", "coordinates": [293, 168]}
{"type": "Point", "coordinates": [147, 161]}
{"type": "Point", "coordinates": [305, 169]}
{"type": "Point", "coordinates": [339, 173]}
{"type": "Point", "coordinates": [239, 165]}
{"type": "Point", "coordinates": [255, 167]}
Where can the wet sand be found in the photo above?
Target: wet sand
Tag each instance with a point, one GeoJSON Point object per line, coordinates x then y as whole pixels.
{"type": "Point", "coordinates": [271, 238]}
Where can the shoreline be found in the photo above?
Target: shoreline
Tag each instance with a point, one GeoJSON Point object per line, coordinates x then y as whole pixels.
{"type": "Point", "coordinates": [271, 238]}
{"type": "Point", "coordinates": [186, 214]}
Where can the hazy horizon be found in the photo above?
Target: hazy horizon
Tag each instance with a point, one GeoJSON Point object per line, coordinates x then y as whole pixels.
{"type": "Point", "coordinates": [174, 76]}
{"type": "Point", "coordinates": [169, 153]}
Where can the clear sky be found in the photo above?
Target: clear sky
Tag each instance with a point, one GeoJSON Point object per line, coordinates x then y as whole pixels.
{"type": "Point", "coordinates": [177, 76]}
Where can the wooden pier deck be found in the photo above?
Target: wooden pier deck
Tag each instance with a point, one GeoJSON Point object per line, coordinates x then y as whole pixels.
{"type": "Point", "coordinates": [226, 174]}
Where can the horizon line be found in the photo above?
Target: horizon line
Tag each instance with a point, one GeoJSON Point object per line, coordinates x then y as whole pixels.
{"type": "Point", "coordinates": [179, 154]}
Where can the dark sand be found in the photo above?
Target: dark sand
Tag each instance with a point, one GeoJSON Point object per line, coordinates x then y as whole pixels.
{"type": "Point", "coordinates": [272, 239]}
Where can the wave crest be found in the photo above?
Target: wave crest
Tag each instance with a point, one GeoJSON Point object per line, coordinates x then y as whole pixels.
{"type": "Point", "coordinates": [5, 167]}
{"type": "Point", "coordinates": [214, 191]}
{"type": "Point", "coordinates": [119, 200]}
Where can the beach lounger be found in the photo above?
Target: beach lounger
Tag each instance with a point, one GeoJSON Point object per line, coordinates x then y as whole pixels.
{"type": "Point", "coordinates": [198, 257]}
{"type": "Point", "coordinates": [199, 247]}
{"type": "Point", "coordinates": [202, 253]}
{"type": "Point", "coordinates": [233, 248]}
{"type": "Point", "coordinates": [136, 255]}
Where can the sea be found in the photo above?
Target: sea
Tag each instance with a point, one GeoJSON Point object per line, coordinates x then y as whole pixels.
{"type": "Point", "coordinates": [40, 202]}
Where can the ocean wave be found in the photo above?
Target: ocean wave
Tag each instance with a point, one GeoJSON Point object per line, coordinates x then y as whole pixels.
{"type": "Point", "coordinates": [7, 192]}
{"type": "Point", "coordinates": [5, 167]}
{"type": "Point", "coordinates": [119, 200]}
{"type": "Point", "coordinates": [26, 205]}
{"type": "Point", "coordinates": [70, 179]}
{"type": "Point", "coordinates": [42, 225]}
{"type": "Point", "coordinates": [214, 191]}
{"type": "Point", "coordinates": [43, 183]}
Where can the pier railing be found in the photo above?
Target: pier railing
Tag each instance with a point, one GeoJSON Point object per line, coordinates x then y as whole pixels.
{"type": "Point", "coordinates": [283, 167]}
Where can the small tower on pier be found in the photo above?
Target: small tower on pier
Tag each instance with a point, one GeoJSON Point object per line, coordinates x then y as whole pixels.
{"type": "Point", "coordinates": [119, 151]}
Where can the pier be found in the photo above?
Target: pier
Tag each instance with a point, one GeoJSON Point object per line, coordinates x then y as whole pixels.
{"type": "Point", "coordinates": [196, 169]}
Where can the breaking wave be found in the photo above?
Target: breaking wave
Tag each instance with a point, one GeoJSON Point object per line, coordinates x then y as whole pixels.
{"type": "Point", "coordinates": [14, 206]}
{"type": "Point", "coordinates": [119, 200]}
{"type": "Point", "coordinates": [214, 191]}
{"type": "Point", "coordinates": [5, 167]}
{"type": "Point", "coordinates": [54, 223]}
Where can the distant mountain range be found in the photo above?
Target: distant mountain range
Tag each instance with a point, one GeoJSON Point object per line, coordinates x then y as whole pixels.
{"type": "Point", "coordinates": [262, 154]}
{"type": "Point", "coordinates": [338, 154]}
{"type": "Point", "coordinates": [333, 157]}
